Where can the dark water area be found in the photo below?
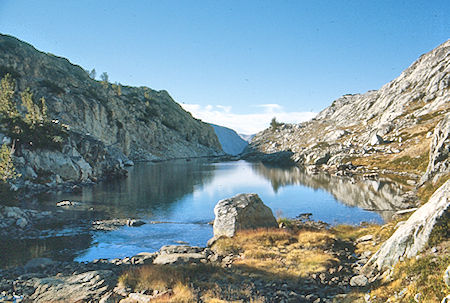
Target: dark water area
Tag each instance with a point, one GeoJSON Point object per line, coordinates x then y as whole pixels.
{"type": "Point", "coordinates": [182, 194]}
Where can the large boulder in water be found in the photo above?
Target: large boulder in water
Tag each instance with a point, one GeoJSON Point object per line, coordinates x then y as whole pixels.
{"type": "Point", "coordinates": [243, 211]}
{"type": "Point", "coordinates": [412, 236]}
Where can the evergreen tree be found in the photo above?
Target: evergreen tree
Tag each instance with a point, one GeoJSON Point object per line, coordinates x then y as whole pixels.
{"type": "Point", "coordinates": [32, 117]}
{"type": "Point", "coordinates": [7, 169]}
{"type": "Point", "coordinates": [7, 106]}
{"type": "Point", "coordinates": [36, 112]}
{"type": "Point", "coordinates": [93, 74]}
{"type": "Point", "coordinates": [43, 109]}
{"type": "Point", "coordinates": [274, 124]}
{"type": "Point", "coordinates": [105, 78]}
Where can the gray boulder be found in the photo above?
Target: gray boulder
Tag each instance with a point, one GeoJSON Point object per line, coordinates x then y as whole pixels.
{"type": "Point", "coordinates": [446, 276]}
{"type": "Point", "coordinates": [180, 254]}
{"type": "Point", "coordinates": [84, 287]}
{"type": "Point", "coordinates": [359, 281]}
{"type": "Point", "coordinates": [179, 258]}
{"type": "Point", "coordinates": [243, 211]}
{"type": "Point", "coordinates": [376, 139]}
{"type": "Point", "coordinates": [412, 236]}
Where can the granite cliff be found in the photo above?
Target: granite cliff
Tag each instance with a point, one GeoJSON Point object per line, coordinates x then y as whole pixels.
{"type": "Point", "coordinates": [390, 128]}
{"type": "Point", "coordinates": [108, 125]}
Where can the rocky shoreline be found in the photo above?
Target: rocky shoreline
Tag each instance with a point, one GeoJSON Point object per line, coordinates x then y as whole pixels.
{"type": "Point", "coordinates": [43, 279]}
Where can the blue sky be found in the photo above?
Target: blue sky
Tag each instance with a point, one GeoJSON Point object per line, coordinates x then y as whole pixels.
{"type": "Point", "coordinates": [237, 63]}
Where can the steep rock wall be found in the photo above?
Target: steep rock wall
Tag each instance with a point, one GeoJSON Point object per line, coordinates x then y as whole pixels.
{"type": "Point", "coordinates": [143, 123]}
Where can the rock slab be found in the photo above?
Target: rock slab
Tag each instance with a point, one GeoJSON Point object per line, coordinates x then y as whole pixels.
{"type": "Point", "coordinates": [412, 236]}
{"type": "Point", "coordinates": [243, 211]}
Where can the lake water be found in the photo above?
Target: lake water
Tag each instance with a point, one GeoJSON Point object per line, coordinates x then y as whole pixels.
{"type": "Point", "coordinates": [183, 195]}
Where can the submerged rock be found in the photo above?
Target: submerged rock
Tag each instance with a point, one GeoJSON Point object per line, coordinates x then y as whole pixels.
{"type": "Point", "coordinates": [243, 211]}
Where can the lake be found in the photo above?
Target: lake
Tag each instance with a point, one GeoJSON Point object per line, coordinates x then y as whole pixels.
{"type": "Point", "coordinates": [182, 194]}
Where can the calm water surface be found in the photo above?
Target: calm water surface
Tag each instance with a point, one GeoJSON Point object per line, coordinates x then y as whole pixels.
{"type": "Point", "coordinates": [183, 194]}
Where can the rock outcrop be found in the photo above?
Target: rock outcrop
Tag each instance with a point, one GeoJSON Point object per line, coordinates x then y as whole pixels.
{"type": "Point", "coordinates": [243, 211]}
{"type": "Point", "coordinates": [412, 236]}
{"type": "Point", "coordinates": [387, 127]}
{"type": "Point", "coordinates": [119, 122]}
{"type": "Point", "coordinates": [439, 163]}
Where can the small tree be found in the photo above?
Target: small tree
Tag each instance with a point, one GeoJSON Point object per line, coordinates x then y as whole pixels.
{"type": "Point", "coordinates": [44, 109]}
{"type": "Point", "coordinates": [36, 112]}
{"type": "Point", "coordinates": [7, 169]}
{"type": "Point", "coordinates": [105, 78]}
{"type": "Point", "coordinates": [7, 106]}
{"type": "Point", "coordinates": [92, 74]}
{"type": "Point", "coordinates": [274, 124]}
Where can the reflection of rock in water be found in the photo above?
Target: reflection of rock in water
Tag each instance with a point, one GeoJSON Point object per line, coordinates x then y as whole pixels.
{"type": "Point", "coordinates": [14, 252]}
{"type": "Point", "coordinates": [382, 196]}
{"type": "Point", "coordinates": [149, 186]}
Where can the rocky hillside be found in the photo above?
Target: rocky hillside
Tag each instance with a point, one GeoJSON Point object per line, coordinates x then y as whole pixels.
{"type": "Point", "coordinates": [389, 129]}
{"type": "Point", "coordinates": [120, 122]}
{"type": "Point", "coordinates": [231, 142]}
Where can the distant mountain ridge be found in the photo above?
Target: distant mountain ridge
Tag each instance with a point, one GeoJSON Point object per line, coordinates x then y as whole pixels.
{"type": "Point", "coordinates": [247, 138]}
{"type": "Point", "coordinates": [231, 142]}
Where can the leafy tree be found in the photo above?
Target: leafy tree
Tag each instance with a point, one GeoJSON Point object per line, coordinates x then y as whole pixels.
{"type": "Point", "coordinates": [7, 107]}
{"type": "Point", "coordinates": [7, 169]}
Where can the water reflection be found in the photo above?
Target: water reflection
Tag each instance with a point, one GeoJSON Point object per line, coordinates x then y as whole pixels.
{"type": "Point", "coordinates": [15, 252]}
{"type": "Point", "coordinates": [186, 192]}
{"type": "Point", "coordinates": [150, 188]}
{"type": "Point", "coordinates": [381, 196]}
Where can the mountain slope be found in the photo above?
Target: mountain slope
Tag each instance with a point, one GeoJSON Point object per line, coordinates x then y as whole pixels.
{"type": "Point", "coordinates": [143, 123]}
{"type": "Point", "coordinates": [389, 128]}
{"type": "Point", "coordinates": [231, 142]}
{"type": "Point", "coordinates": [107, 124]}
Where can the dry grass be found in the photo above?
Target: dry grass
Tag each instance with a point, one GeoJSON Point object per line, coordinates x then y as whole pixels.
{"type": "Point", "coordinates": [154, 277]}
{"type": "Point", "coordinates": [275, 254]}
{"type": "Point", "coordinates": [216, 295]}
{"type": "Point", "coordinates": [427, 190]}
{"type": "Point", "coordinates": [380, 233]}
{"type": "Point", "coordinates": [163, 278]}
{"type": "Point", "coordinates": [316, 239]}
{"type": "Point", "coordinates": [413, 276]}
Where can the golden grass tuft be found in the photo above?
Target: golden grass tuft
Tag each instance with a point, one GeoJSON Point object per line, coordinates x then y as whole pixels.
{"type": "Point", "coordinates": [316, 239]}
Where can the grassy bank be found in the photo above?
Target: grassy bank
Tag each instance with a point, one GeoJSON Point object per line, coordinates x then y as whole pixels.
{"type": "Point", "coordinates": [292, 258]}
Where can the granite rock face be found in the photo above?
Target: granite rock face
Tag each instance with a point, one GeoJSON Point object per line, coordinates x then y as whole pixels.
{"type": "Point", "coordinates": [243, 211]}
{"type": "Point", "coordinates": [412, 236]}
{"type": "Point", "coordinates": [439, 163]}
{"type": "Point", "coordinates": [390, 122]}
{"type": "Point", "coordinates": [130, 123]}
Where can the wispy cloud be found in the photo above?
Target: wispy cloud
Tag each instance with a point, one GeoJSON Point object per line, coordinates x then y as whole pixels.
{"type": "Point", "coordinates": [246, 123]}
